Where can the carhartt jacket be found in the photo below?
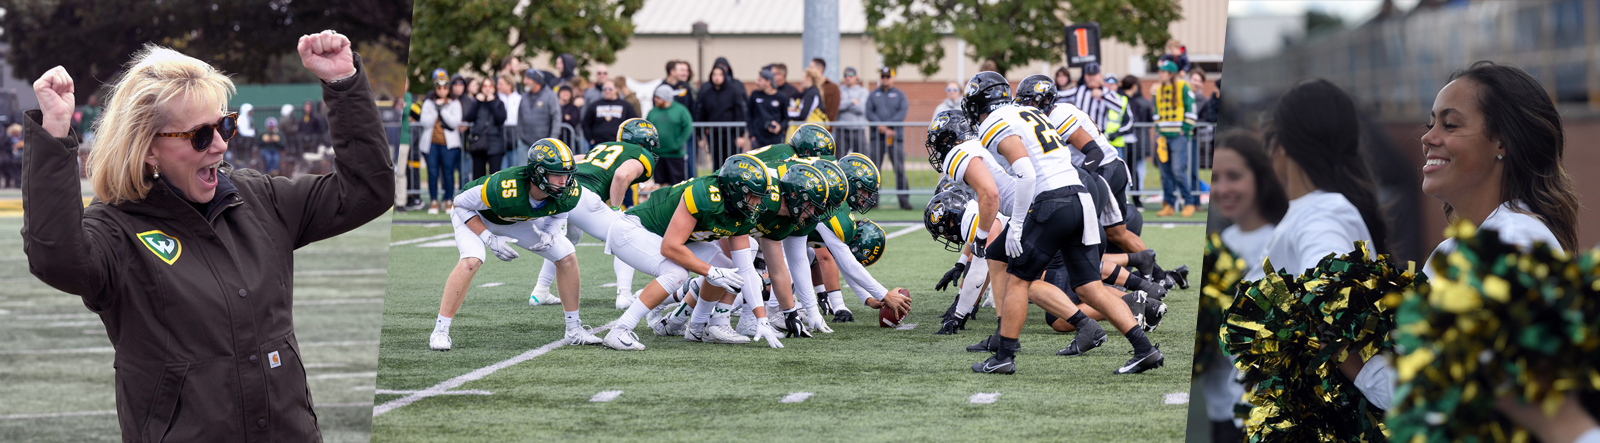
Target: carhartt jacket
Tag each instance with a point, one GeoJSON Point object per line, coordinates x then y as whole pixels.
{"type": "Point", "coordinates": [200, 307]}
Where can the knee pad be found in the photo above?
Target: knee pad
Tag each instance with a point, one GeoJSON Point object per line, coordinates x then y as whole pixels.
{"type": "Point", "coordinates": [672, 278]}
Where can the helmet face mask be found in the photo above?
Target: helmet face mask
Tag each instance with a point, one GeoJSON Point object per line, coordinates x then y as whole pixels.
{"type": "Point", "coordinates": [942, 218]}
{"type": "Point", "coordinates": [746, 185]}
{"type": "Point", "coordinates": [985, 93]}
{"type": "Point", "coordinates": [812, 140]}
{"type": "Point", "coordinates": [947, 129]}
{"type": "Point", "coordinates": [838, 187]}
{"type": "Point", "coordinates": [863, 177]}
{"type": "Point", "coordinates": [1037, 91]}
{"type": "Point", "coordinates": [640, 132]}
{"type": "Point", "coordinates": [550, 158]}
{"type": "Point", "coordinates": [804, 191]}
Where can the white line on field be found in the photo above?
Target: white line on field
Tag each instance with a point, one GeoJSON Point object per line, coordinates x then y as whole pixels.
{"type": "Point", "coordinates": [344, 405]}
{"type": "Point", "coordinates": [1177, 398]}
{"type": "Point", "coordinates": [4, 312]}
{"type": "Point", "coordinates": [461, 392]}
{"type": "Point", "coordinates": [56, 316]}
{"type": "Point", "coordinates": [56, 415]}
{"type": "Point", "coordinates": [423, 239]}
{"type": "Point", "coordinates": [73, 324]}
{"type": "Point", "coordinates": [609, 285]}
{"type": "Point", "coordinates": [984, 397]}
{"type": "Point", "coordinates": [795, 397]}
{"type": "Point", "coordinates": [491, 284]}
{"type": "Point", "coordinates": [605, 396]}
{"type": "Point", "coordinates": [439, 244]}
{"type": "Point", "coordinates": [339, 301]}
{"type": "Point", "coordinates": [905, 326]}
{"type": "Point", "coordinates": [316, 344]}
{"type": "Point", "coordinates": [447, 385]}
{"type": "Point", "coordinates": [1168, 225]}
{"type": "Point", "coordinates": [338, 272]}
{"type": "Point", "coordinates": [905, 231]}
{"type": "Point", "coordinates": [343, 375]}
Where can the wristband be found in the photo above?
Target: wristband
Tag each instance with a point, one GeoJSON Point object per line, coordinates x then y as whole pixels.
{"type": "Point", "coordinates": [485, 235]}
{"type": "Point", "coordinates": [964, 259]}
{"type": "Point", "coordinates": [983, 234]}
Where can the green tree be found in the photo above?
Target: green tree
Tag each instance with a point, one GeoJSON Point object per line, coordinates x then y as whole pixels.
{"type": "Point", "coordinates": [93, 39]}
{"type": "Point", "coordinates": [1012, 32]}
{"type": "Point", "coordinates": [477, 35]}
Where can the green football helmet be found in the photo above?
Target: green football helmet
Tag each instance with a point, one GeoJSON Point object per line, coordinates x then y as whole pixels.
{"type": "Point", "coordinates": [548, 157]}
{"type": "Point", "coordinates": [746, 186]}
{"type": "Point", "coordinates": [863, 178]}
{"type": "Point", "coordinates": [869, 242]}
{"type": "Point", "coordinates": [804, 189]}
{"type": "Point", "coordinates": [640, 132]}
{"type": "Point", "coordinates": [838, 188]}
{"type": "Point", "coordinates": [812, 140]}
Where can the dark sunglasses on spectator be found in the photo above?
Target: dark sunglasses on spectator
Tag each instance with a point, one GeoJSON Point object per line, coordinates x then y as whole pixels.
{"type": "Point", "coordinates": [200, 137]}
{"type": "Point", "coordinates": [952, 89]}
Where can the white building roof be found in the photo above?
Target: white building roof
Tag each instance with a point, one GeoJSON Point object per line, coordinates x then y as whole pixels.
{"type": "Point", "coordinates": [660, 17]}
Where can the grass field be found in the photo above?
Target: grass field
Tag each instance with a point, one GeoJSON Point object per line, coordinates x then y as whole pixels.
{"type": "Point", "coordinates": [503, 383]}
{"type": "Point", "coordinates": [55, 361]}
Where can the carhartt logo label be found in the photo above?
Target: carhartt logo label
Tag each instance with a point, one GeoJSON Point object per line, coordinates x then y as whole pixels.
{"type": "Point", "coordinates": [273, 359]}
{"type": "Point", "coordinates": [162, 245]}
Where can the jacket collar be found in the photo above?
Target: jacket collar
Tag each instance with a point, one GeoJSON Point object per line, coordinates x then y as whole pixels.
{"type": "Point", "coordinates": [164, 200]}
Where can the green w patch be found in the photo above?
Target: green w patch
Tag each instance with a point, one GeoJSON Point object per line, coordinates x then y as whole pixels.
{"type": "Point", "coordinates": [164, 246]}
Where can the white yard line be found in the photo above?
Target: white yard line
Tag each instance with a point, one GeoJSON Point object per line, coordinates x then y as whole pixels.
{"type": "Point", "coordinates": [905, 231]}
{"type": "Point", "coordinates": [906, 327]}
{"type": "Point", "coordinates": [491, 284]}
{"type": "Point", "coordinates": [461, 392]}
{"type": "Point", "coordinates": [984, 397]}
{"type": "Point", "coordinates": [1177, 398]}
{"type": "Point", "coordinates": [423, 239]}
{"type": "Point", "coordinates": [343, 375]}
{"type": "Point", "coordinates": [448, 385]}
{"type": "Point", "coordinates": [56, 415]}
{"type": "Point", "coordinates": [339, 301]}
{"type": "Point", "coordinates": [605, 396]}
{"type": "Point", "coordinates": [795, 397]}
{"type": "Point", "coordinates": [338, 272]}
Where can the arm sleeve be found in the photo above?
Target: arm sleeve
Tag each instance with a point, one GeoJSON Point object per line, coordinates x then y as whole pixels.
{"type": "Point", "coordinates": [794, 255]}
{"type": "Point", "coordinates": [65, 250]}
{"type": "Point", "coordinates": [972, 286]}
{"type": "Point", "coordinates": [360, 188]}
{"type": "Point", "coordinates": [860, 280]}
{"type": "Point", "coordinates": [1023, 167]}
{"type": "Point", "coordinates": [744, 262]}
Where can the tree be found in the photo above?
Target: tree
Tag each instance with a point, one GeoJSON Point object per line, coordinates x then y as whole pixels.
{"type": "Point", "coordinates": [94, 39]}
{"type": "Point", "coordinates": [476, 35]}
{"type": "Point", "coordinates": [1012, 32]}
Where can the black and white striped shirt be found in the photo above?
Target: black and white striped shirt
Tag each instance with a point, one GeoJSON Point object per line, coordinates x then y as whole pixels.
{"type": "Point", "coordinates": [1096, 105]}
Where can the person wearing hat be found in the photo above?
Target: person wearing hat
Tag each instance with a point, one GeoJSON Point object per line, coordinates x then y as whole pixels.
{"type": "Point", "coordinates": [539, 114]}
{"type": "Point", "coordinates": [1093, 97]}
{"type": "Point", "coordinates": [888, 104]}
{"type": "Point", "coordinates": [673, 124]}
{"type": "Point", "coordinates": [768, 118]}
{"type": "Point", "coordinates": [852, 111]}
{"type": "Point", "coordinates": [1175, 117]}
{"type": "Point", "coordinates": [441, 138]}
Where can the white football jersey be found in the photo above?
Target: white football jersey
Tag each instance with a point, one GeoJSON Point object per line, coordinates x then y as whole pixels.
{"type": "Point", "coordinates": [1053, 165]}
{"type": "Point", "coordinates": [969, 152]}
{"type": "Point", "coordinates": [969, 220]}
{"type": "Point", "coordinates": [1069, 118]}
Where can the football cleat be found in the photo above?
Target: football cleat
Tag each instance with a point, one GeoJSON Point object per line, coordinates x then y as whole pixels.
{"type": "Point", "coordinates": [1086, 339]}
{"type": "Point", "coordinates": [987, 345]}
{"type": "Point", "coordinates": [1180, 276]}
{"type": "Point", "coordinates": [694, 332]}
{"type": "Point", "coordinates": [994, 365]}
{"type": "Point", "coordinates": [723, 334]}
{"type": "Point", "coordinates": [1153, 313]}
{"type": "Point", "coordinates": [1143, 261]}
{"type": "Point", "coordinates": [440, 341]}
{"type": "Point", "coordinates": [988, 299]}
{"type": "Point", "coordinates": [581, 336]}
{"type": "Point", "coordinates": [541, 296]}
{"type": "Point", "coordinates": [623, 340]}
{"type": "Point", "coordinates": [1137, 300]}
{"type": "Point", "coordinates": [625, 298]}
{"type": "Point", "coordinates": [843, 315]}
{"type": "Point", "coordinates": [747, 326]}
{"type": "Point", "coordinates": [1141, 363]}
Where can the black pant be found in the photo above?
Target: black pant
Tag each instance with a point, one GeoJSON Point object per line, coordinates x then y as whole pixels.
{"type": "Point", "coordinates": [484, 164]}
{"type": "Point", "coordinates": [880, 146]}
{"type": "Point", "coordinates": [670, 171]}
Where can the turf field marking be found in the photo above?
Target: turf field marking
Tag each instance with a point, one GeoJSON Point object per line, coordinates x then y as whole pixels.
{"type": "Point", "coordinates": [423, 239]}
{"type": "Point", "coordinates": [905, 231]}
{"type": "Point", "coordinates": [339, 301]}
{"type": "Point", "coordinates": [491, 284]}
{"type": "Point", "coordinates": [439, 244]}
{"type": "Point", "coordinates": [984, 397]}
{"type": "Point", "coordinates": [1177, 398]}
{"type": "Point", "coordinates": [461, 392]}
{"type": "Point", "coordinates": [338, 272]}
{"type": "Point", "coordinates": [343, 375]}
{"type": "Point", "coordinates": [905, 327]}
{"type": "Point", "coordinates": [1168, 225]}
{"type": "Point", "coordinates": [56, 415]}
{"type": "Point", "coordinates": [4, 312]}
{"type": "Point", "coordinates": [795, 397]}
{"type": "Point", "coordinates": [605, 396]}
{"type": "Point", "coordinates": [447, 385]}
{"type": "Point", "coordinates": [56, 316]}
{"type": "Point", "coordinates": [72, 324]}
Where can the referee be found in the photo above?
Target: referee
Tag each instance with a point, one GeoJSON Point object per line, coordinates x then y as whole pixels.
{"type": "Point", "coordinates": [1094, 97]}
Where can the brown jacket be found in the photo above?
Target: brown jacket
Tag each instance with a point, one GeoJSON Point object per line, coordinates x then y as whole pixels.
{"type": "Point", "coordinates": [201, 311]}
{"type": "Point", "coordinates": [830, 99]}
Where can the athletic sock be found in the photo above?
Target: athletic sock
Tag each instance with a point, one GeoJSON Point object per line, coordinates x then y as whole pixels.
{"type": "Point", "coordinates": [631, 318]}
{"type": "Point", "coordinates": [547, 274]}
{"type": "Point", "coordinates": [1077, 319]}
{"type": "Point", "coordinates": [624, 274]}
{"type": "Point", "coordinates": [1141, 344]}
{"type": "Point", "coordinates": [820, 289]}
{"type": "Point", "coordinates": [721, 314]}
{"type": "Point", "coordinates": [836, 300]}
{"type": "Point", "coordinates": [702, 312]}
{"type": "Point", "coordinates": [442, 324]}
{"type": "Point", "coordinates": [1008, 348]}
{"type": "Point", "coordinates": [572, 320]}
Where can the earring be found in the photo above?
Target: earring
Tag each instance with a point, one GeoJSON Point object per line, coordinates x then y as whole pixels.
{"type": "Point", "coordinates": [157, 170]}
{"type": "Point", "coordinates": [1499, 157]}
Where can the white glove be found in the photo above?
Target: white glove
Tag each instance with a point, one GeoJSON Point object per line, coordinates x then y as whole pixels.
{"type": "Point", "coordinates": [1014, 238]}
{"type": "Point", "coordinates": [727, 278]}
{"type": "Point", "coordinates": [814, 320]}
{"type": "Point", "coordinates": [764, 331]}
{"type": "Point", "coordinates": [542, 243]}
{"type": "Point", "coordinates": [500, 245]}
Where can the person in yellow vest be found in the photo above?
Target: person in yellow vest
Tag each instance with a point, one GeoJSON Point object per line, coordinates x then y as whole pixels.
{"type": "Point", "coordinates": [1174, 119]}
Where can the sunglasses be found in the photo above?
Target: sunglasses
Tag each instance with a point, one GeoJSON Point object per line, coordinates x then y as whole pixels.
{"type": "Point", "coordinates": [200, 137]}
{"type": "Point", "coordinates": [952, 89]}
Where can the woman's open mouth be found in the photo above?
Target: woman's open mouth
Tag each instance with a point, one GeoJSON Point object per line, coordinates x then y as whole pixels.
{"type": "Point", "coordinates": [208, 174]}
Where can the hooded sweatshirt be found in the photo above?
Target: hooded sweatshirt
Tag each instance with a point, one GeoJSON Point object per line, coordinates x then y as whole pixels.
{"type": "Point", "coordinates": [724, 103]}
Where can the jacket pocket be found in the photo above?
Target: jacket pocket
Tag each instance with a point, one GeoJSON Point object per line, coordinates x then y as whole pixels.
{"type": "Point", "coordinates": [288, 394]}
{"type": "Point", "coordinates": [164, 404]}
{"type": "Point", "coordinates": [204, 402]}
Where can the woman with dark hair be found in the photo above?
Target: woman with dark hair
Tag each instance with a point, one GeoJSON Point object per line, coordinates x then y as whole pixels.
{"type": "Point", "coordinates": [1314, 141]}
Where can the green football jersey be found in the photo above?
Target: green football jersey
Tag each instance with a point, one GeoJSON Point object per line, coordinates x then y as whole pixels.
{"type": "Point", "coordinates": [771, 225]}
{"type": "Point", "coordinates": [841, 222]}
{"type": "Point", "coordinates": [772, 154]}
{"type": "Point", "coordinates": [506, 195]}
{"type": "Point", "coordinates": [703, 199]}
{"type": "Point", "coordinates": [600, 166]}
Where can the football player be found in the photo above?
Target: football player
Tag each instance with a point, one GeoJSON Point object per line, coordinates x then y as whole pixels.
{"type": "Point", "coordinates": [1061, 218]}
{"type": "Point", "coordinates": [827, 240]}
{"type": "Point", "coordinates": [523, 205]}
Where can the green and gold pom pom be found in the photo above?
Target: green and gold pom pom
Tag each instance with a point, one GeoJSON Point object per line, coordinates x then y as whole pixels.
{"type": "Point", "coordinates": [1223, 271]}
{"type": "Point", "coordinates": [1289, 334]}
{"type": "Point", "coordinates": [1498, 322]}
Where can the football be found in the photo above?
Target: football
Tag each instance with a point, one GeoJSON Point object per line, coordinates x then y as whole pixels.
{"type": "Point", "coordinates": [887, 318]}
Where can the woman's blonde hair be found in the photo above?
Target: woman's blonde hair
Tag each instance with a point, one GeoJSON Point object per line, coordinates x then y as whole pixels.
{"type": "Point", "coordinates": [815, 77]}
{"type": "Point", "coordinates": [137, 109]}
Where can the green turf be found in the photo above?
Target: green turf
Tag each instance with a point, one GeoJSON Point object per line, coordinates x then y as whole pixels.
{"type": "Point", "coordinates": [338, 294]}
{"type": "Point", "coordinates": [869, 383]}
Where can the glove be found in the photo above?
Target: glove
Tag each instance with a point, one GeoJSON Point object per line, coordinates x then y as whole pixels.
{"type": "Point", "coordinates": [843, 316]}
{"type": "Point", "coordinates": [950, 326]}
{"type": "Point", "coordinates": [791, 321]}
{"type": "Point", "coordinates": [824, 305]}
{"type": "Point", "coordinates": [541, 243]}
{"type": "Point", "coordinates": [814, 319]}
{"type": "Point", "coordinates": [978, 245]}
{"type": "Point", "coordinates": [1014, 238]}
{"type": "Point", "coordinates": [764, 331]}
{"type": "Point", "coordinates": [500, 245]}
{"type": "Point", "coordinates": [951, 276]}
{"type": "Point", "coordinates": [726, 278]}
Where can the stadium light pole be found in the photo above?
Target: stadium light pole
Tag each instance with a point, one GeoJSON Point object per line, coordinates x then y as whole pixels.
{"type": "Point", "coordinates": [820, 37]}
{"type": "Point", "coordinates": [700, 30]}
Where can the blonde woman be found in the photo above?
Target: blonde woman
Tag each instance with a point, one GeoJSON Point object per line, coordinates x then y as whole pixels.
{"type": "Point", "coordinates": [188, 261]}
